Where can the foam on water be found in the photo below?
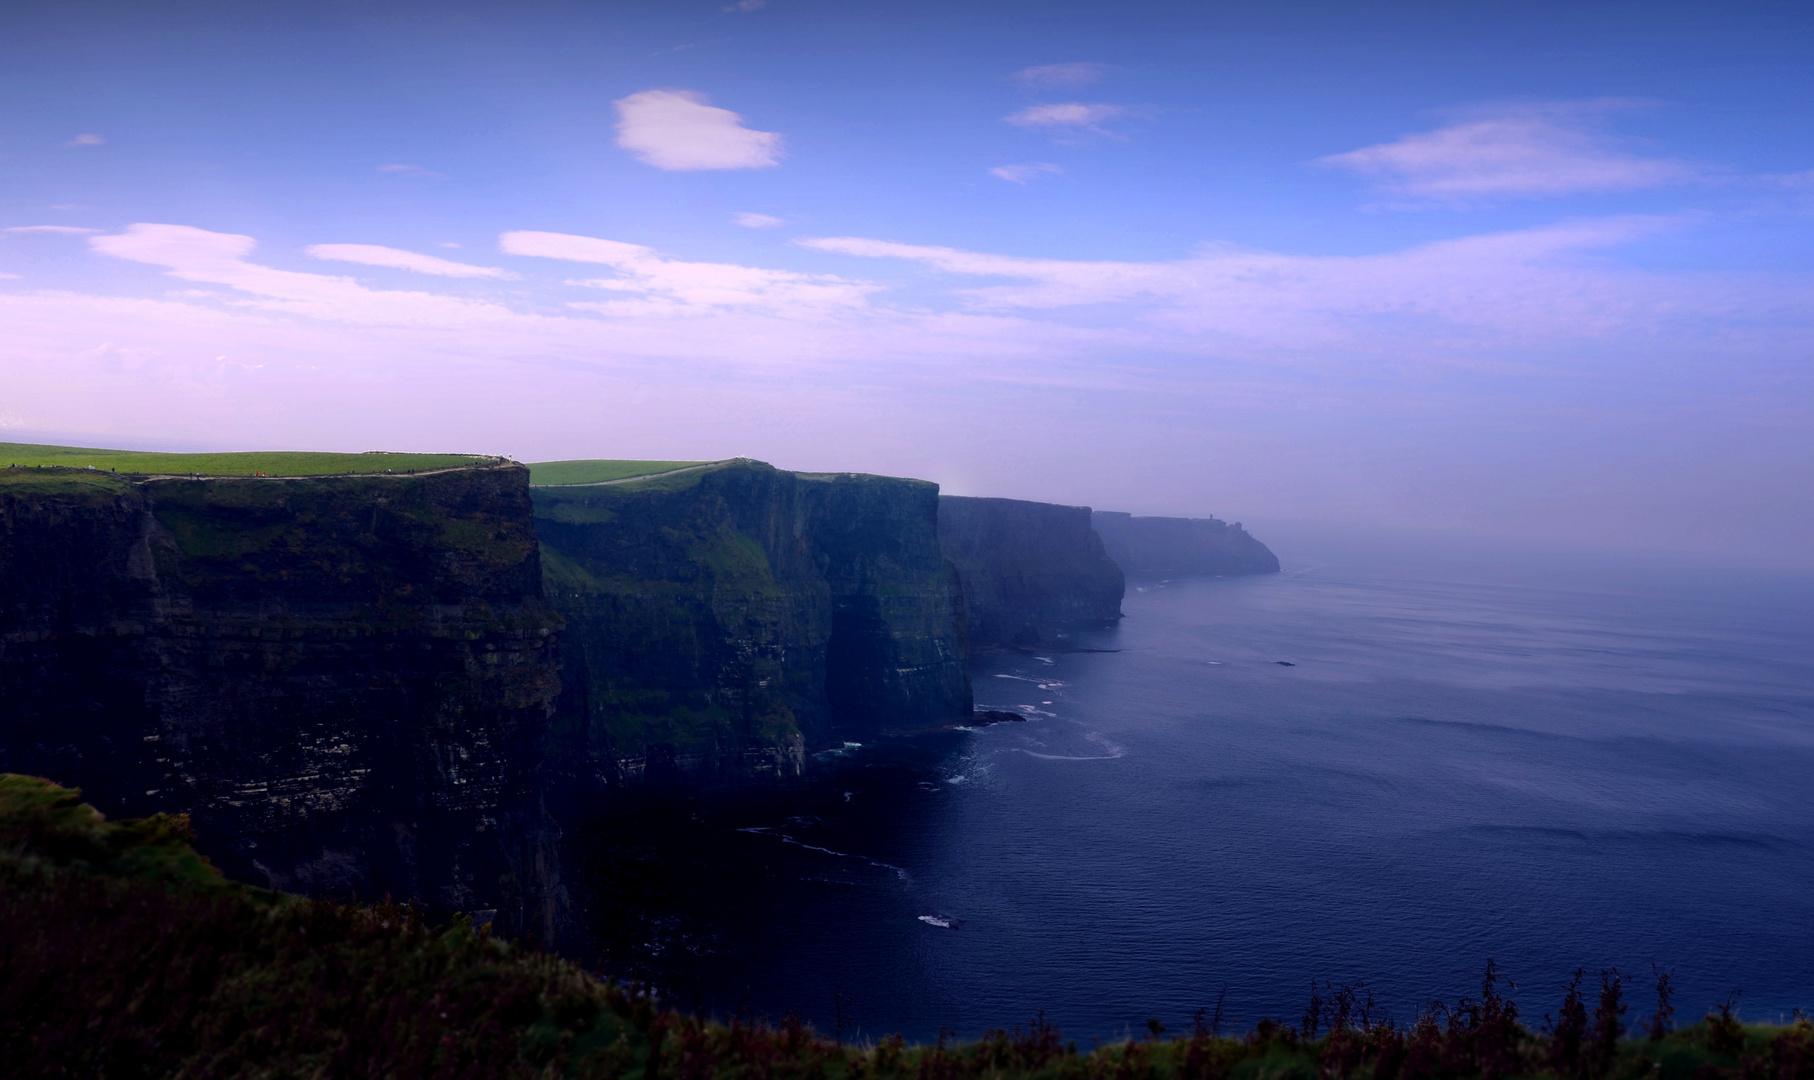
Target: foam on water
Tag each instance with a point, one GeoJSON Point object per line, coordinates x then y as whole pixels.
{"type": "Point", "coordinates": [1451, 769]}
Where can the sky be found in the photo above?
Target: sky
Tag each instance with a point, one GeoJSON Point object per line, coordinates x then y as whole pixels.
{"type": "Point", "coordinates": [1535, 272]}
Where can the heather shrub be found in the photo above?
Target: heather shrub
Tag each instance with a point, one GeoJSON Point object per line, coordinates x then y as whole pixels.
{"type": "Point", "coordinates": [125, 955]}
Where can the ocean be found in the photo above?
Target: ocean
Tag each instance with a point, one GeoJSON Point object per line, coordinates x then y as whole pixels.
{"type": "Point", "coordinates": [1374, 770]}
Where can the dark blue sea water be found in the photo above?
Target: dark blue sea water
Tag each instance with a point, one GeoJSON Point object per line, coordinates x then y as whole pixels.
{"type": "Point", "coordinates": [1597, 769]}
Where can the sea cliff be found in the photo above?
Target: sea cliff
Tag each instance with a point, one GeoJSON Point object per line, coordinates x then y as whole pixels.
{"type": "Point", "coordinates": [726, 620]}
{"type": "Point", "coordinates": [1032, 573]}
{"type": "Point", "coordinates": [345, 680]}
{"type": "Point", "coordinates": [128, 955]}
{"type": "Point", "coordinates": [1166, 545]}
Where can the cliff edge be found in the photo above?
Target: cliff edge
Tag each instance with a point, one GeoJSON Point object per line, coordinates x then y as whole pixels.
{"type": "Point", "coordinates": [724, 620]}
{"type": "Point", "coordinates": [1166, 545]}
{"type": "Point", "coordinates": [344, 680]}
{"type": "Point", "coordinates": [1031, 572]}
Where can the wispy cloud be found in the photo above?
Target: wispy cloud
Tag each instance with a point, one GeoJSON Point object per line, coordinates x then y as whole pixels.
{"type": "Point", "coordinates": [1048, 76]}
{"type": "Point", "coordinates": [758, 221]}
{"type": "Point", "coordinates": [688, 45]}
{"type": "Point", "coordinates": [193, 254]}
{"type": "Point", "coordinates": [664, 286]}
{"type": "Point", "coordinates": [417, 171]}
{"type": "Point", "coordinates": [1070, 116]}
{"type": "Point", "coordinates": [1525, 151]}
{"type": "Point", "coordinates": [1020, 174]}
{"type": "Point", "coordinates": [86, 140]}
{"type": "Point", "coordinates": [746, 5]}
{"type": "Point", "coordinates": [1798, 181]}
{"type": "Point", "coordinates": [1447, 300]}
{"type": "Point", "coordinates": [398, 259]}
{"type": "Point", "coordinates": [1451, 302]}
{"type": "Point", "coordinates": [1543, 339]}
{"type": "Point", "coordinates": [66, 230]}
{"type": "Point", "coordinates": [679, 131]}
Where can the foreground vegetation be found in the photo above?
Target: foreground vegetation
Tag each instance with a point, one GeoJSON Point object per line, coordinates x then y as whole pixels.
{"type": "Point", "coordinates": [259, 462]}
{"type": "Point", "coordinates": [123, 954]}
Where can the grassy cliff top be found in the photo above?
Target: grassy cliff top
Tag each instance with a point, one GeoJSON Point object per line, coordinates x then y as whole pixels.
{"type": "Point", "coordinates": [599, 470]}
{"type": "Point", "coordinates": [263, 462]}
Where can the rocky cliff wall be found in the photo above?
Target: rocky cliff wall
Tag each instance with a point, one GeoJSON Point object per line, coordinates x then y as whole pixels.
{"type": "Point", "coordinates": [725, 621]}
{"type": "Point", "coordinates": [346, 681]}
{"type": "Point", "coordinates": [1164, 545]}
{"type": "Point", "coordinates": [1032, 573]}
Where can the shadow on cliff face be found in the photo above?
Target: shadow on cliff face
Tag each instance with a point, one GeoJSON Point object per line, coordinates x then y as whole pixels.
{"type": "Point", "coordinates": [665, 881]}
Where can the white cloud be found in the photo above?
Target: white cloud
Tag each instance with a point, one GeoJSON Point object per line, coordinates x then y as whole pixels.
{"type": "Point", "coordinates": [1800, 181]}
{"type": "Point", "coordinates": [746, 5]}
{"type": "Point", "coordinates": [1531, 151]}
{"type": "Point", "coordinates": [758, 221]}
{"type": "Point", "coordinates": [374, 255]}
{"type": "Point", "coordinates": [4, 274]}
{"type": "Point", "coordinates": [675, 287]}
{"type": "Point", "coordinates": [1054, 75]}
{"type": "Point", "coordinates": [1067, 116]}
{"type": "Point", "coordinates": [404, 169]}
{"type": "Point", "coordinates": [1492, 291]}
{"type": "Point", "coordinates": [67, 230]}
{"type": "Point", "coordinates": [86, 140]}
{"type": "Point", "coordinates": [1522, 355]}
{"type": "Point", "coordinates": [220, 258]}
{"type": "Point", "coordinates": [1020, 174]}
{"type": "Point", "coordinates": [677, 130]}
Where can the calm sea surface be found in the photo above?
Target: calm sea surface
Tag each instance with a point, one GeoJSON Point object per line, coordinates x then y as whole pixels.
{"type": "Point", "coordinates": [1600, 770]}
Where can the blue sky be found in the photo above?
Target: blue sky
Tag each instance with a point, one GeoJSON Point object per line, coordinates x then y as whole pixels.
{"type": "Point", "coordinates": [1525, 270]}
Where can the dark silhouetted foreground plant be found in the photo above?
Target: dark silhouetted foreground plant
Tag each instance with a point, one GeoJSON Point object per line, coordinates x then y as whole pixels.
{"type": "Point", "coordinates": [124, 955]}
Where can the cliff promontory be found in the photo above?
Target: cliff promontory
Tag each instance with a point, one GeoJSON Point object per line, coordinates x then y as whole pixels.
{"type": "Point", "coordinates": [725, 619]}
{"type": "Point", "coordinates": [1032, 572]}
{"type": "Point", "coordinates": [1166, 545]}
{"type": "Point", "coordinates": [345, 680]}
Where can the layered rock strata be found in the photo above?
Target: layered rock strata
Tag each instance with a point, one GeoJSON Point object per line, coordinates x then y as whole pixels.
{"type": "Point", "coordinates": [346, 681]}
{"type": "Point", "coordinates": [725, 621]}
{"type": "Point", "coordinates": [1166, 545]}
{"type": "Point", "coordinates": [1032, 573]}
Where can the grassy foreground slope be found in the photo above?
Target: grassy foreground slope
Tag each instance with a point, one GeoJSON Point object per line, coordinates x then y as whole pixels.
{"type": "Point", "coordinates": [123, 954]}
{"type": "Point", "coordinates": [598, 470]}
{"type": "Point", "coordinates": [262, 462]}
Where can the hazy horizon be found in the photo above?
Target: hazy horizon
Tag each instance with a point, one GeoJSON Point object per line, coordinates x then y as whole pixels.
{"type": "Point", "coordinates": [1539, 273]}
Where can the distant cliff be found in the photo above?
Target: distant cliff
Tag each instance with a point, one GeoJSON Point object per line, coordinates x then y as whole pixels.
{"type": "Point", "coordinates": [725, 620]}
{"type": "Point", "coordinates": [1164, 545]}
{"type": "Point", "coordinates": [1031, 572]}
{"type": "Point", "coordinates": [346, 681]}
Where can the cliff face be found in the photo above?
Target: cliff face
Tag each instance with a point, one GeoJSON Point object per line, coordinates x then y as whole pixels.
{"type": "Point", "coordinates": [1031, 572]}
{"type": "Point", "coordinates": [723, 621]}
{"type": "Point", "coordinates": [1162, 545]}
{"type": "Point", "coordinates": [346, 681]}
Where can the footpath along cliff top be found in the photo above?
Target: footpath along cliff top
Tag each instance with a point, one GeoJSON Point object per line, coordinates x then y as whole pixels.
{"type": "Point", "coordinates": [306, 463]}
{"type": "Point", "coordinates": [244, 463]}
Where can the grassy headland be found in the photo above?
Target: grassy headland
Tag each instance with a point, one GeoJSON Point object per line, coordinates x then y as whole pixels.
{"type": "Point", "coordinates": [598, 470]}
{"type": "Point", "coordinates": [261, 462]}
{"type": "Point", "coordinates": [124, 954]}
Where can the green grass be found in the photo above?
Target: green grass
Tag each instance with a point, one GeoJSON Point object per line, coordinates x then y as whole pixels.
{"type": "Point", "coordinates": [264, 462]}
{"type": "Point", "coordinates": [598, 470]}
